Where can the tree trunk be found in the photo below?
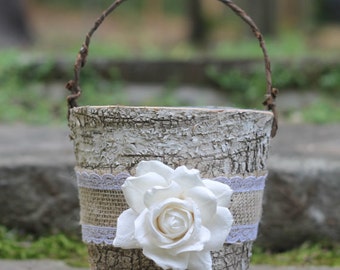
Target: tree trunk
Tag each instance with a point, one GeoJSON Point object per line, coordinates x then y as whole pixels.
{"type": "Point", "coordinates": [264, 13]}
{"type": "Point", "coordinates": [198, 30]}
{"type": "Point", "coordinates": [14, 28]}
{"type": "Point", "coordinates": [331, 10]}
{"type": "Point", "coordinates": [218, 142]}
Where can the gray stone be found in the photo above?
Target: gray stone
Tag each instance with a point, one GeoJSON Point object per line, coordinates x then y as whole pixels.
{"type": "Point", "coordinates": [136, 94]}
{"type": "Point", "coordinates": [39, 199]}
{"type": "Point", "coordinates": [302, 194]}
{"type": "Point", "coordinates": [38, 191]}
{"type": "Point", "coordinates": [36, 265]}
{"type": "Point", "coordinates": [301, 202]}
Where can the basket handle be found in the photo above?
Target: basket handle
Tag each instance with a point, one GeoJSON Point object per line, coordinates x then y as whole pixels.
{"type": "Point", "coordinates": [271, 93]}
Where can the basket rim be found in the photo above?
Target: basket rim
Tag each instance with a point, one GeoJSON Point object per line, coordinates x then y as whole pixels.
{"type": "Point", "coordinates": [174, 108]}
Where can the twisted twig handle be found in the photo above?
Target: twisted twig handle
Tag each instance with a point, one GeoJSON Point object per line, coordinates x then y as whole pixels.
{"type": "Point", "coordinates": [73, 85]}
{"type": "Point", "coordinates": [271, 93]}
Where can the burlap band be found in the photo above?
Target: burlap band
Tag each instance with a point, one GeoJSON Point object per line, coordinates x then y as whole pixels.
{"type": "Point", "coordinates": [102, 201]}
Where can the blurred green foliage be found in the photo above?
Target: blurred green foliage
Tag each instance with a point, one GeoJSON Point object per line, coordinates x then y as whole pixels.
{"type": "Point", "coordinates": [326, 110]}
{"type": "Point", "coordinates": [330, 80]}
{"type": "Point", "coordinates": [250, 84]}
{"type": "Point", "coordinates": [57, 247]}
{"type": "Point", "coordinates": [170, 7]}
{"type": "Point", "coordinates": [26, 93]}
{"type": "Point", "coordinates": [308, 254]}
{"type": "Point", "coordinates": [247, 88]}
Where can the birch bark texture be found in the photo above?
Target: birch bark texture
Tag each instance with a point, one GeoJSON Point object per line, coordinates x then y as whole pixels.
{"type": "Point", "coordinates": [216, 141]}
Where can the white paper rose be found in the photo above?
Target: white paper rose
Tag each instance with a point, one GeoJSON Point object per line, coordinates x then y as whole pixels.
{"type": "Point", "coordinates": [175, 217]}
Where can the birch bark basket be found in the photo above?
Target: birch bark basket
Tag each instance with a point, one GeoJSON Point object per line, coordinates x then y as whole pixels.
{"type": "Point", "coordinates": [226, 145]}
{"type": "Point", "coordinates": [218, 142]}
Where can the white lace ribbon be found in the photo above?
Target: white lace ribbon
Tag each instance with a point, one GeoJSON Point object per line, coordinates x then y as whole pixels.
{"type": "Point", "coordinates": [105, 235]}
{"type": "Point", "coordinates": [114, 182]}
{"type": "Point", "coordinates": [98, 235]}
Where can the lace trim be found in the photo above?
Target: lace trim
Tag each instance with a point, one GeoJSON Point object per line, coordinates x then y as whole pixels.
{"type": "Point", "coordinates": [114, 182]}
{"type": "Point", "coordinates": [239, 184]}
{"type": "Point", "coordinates": [242, 233]}
{"type": "Point", "coordinates": [104, 182]}
{"type": "Point", "coordinates": [98, 235]}
{"type": "Point", "coordinates": [105, 235]}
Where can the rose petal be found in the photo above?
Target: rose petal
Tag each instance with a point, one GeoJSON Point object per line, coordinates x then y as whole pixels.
{"type": "Point", "coordinates": [154, 166]}
{"type": "Point", "coordinates": [157, 195]}
{"type": "Point", "coordinates": [174, 223]}
{"type": "Point", "coordinates": [143, 231]}
{"type": "Point", "coordinates": [175, 217]}
{"type": "Point", "coordinates": [196, 235]}
{"type": "Point", "coordinates": [125, 236]}
{"type": "Point", "coordinates": [134, 189]}
{"type": "Point", "coordinates": [187, 178]}
{"type": "Point", "coordinates": [205, 200]}
{"type": "Point", "coordinates": [151, 247]}
{"type": "Point", "coordinates": [222, 192]}
{"type": "Point", "coordinates": [147, 227]}
{"type": "Point", "coordinates": [160, 230]}
{"type": "Point", "coordinates": [220, 228]}
{"type": "Point", "coordinates": [165, 260]}
{"type": "Point", "coordinates": [200, 261]}
{"type": "Point", "coordinates": [149, 235]}
{"type": "Point", "coordinates": [196, 243]}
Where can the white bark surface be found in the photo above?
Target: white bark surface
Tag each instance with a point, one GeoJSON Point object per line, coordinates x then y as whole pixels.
{"type": "Point", "coordinates": [215, 141]}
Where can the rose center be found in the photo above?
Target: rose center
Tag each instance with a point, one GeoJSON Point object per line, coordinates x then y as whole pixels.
{"type": "Point", "coordinates": [174, 222]}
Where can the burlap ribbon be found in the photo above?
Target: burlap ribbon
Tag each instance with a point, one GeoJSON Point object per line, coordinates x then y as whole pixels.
{"type": "Point", "coordinates": [102, 201]}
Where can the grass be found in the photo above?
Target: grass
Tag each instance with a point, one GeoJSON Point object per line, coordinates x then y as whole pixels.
{"type": "Point", "coordinates": [306, 255]}
{"type": "Point", "coordinates": [57, 247]}
{"type": "Point", "coordinates": [72, 251]}
{"type": "Point", "coordinates": [287, 44]}
{"type": "Point", "coordinates": [327, 110]}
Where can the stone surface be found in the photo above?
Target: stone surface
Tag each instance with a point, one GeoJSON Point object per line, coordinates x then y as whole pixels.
{"type": "Point", "coordinates": [302, 202]}
{"type": "Point", "coordinates": [302, 195]}
{"type": "Point", "coordinates": [37, 183]}
{"type": "Point", "coordinates": [35, 145]}
{"type": "Point", "coordinates": [39, 199]}
{"type": "Point", "coordinates": [36, 265]}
